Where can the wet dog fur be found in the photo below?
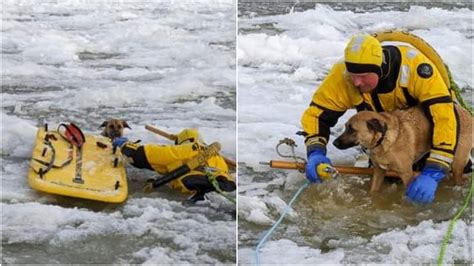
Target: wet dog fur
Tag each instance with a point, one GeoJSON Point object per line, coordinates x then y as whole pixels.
{"type": "Point", "coordinates": [113, 128]}
{"type": "Point", "coordinates": [396, 140]}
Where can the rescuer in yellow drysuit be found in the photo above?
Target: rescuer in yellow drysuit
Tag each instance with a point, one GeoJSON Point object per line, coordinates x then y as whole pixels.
{"type": "Point", "coordinates": [166, 158]}
{"type": "Point", "coordinates": [384, 78]}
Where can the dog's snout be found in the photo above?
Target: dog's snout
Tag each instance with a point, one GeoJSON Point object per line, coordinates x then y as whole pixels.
{"type": "Point", "coordinates": [343, 142]}
{"type": "Point", "coordinates": [115, 134]}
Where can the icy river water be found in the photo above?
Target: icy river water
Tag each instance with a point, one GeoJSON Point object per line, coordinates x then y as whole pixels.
{"type": "Point", "coordinates": [169, 64]}
{"type": "Point", "coordinates": [284, 51]}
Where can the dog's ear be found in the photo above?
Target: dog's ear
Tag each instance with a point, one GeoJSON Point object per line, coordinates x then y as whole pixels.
{"type": "Point", "coordinates": [376, 125]}
{"type": "Point", "coordinates": [125, 124]}
{"type": "Point", "coordinates": [104, 124]}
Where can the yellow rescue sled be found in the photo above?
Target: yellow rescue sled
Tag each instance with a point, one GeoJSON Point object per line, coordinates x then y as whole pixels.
{"type": "Point", "coordinates": [91, 170]}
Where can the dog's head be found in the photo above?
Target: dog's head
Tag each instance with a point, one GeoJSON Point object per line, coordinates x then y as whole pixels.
{"type": "Point", "coordinates": [113, 128]}
{"type": "Point", "coordinates": [365, 128]}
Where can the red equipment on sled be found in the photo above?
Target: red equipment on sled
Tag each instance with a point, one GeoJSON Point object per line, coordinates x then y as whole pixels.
{"type": "Point", "coordinates": [72, 134]}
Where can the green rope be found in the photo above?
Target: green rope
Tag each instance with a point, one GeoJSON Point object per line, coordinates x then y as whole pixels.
{"type": "Point", "coordinates": [468, 199]}
{"type": "Point", "coordinates": [218, 190]}
{"type": "Point", "coordinates": [213, 180]}
{"type": "Point", "coordinates": [454, 87]}
{"type": "Point", "coordinates": [447, 237]}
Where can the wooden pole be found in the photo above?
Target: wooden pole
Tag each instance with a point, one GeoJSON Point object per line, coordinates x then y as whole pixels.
{"type": "Point", "coordinates": [341, 169]}
{"type": "Point", "coordinates": [161, 132]}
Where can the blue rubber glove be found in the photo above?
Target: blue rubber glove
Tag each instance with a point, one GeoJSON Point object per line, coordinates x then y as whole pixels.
{"type": "Point", "coordinates": [422, 189]}
{"type": "Point", "coordinates": [118, 142]}
{"type": "Point", "coordinates": [315, 158]}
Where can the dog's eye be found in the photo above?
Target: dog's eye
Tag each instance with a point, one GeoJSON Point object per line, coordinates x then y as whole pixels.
{"type": "Point", "coordinates": [119, 126]}
{"type": "Point", "coordinates": [350, 129]}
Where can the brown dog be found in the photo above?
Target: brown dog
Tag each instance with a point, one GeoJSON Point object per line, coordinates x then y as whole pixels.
{"type": "Point", "coordinates": [396, 140]}
{"type": "Point", "coordinates": [113, 128]}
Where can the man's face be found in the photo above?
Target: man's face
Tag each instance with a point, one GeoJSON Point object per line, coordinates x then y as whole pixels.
{"type": "Point", "coordinates": [365, 82]}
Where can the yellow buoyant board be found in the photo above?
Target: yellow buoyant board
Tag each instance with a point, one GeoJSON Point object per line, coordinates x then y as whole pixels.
{"type": "Point", "coordinates": [93, 172]}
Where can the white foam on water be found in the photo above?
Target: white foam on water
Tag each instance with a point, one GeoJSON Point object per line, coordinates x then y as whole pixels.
{"type": "Point", "coordinates": [289, 253]}
{"type": "Point", "coordinates": [18, 136]}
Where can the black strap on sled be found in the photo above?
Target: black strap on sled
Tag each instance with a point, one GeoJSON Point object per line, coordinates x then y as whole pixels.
{"type": "Point", "coordinates": [49, 165]}
{"type": "Point", "coordinates": [42, 171]}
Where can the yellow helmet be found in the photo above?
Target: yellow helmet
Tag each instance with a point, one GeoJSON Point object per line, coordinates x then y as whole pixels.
{"type": "Point", "coordinates": [363, 54]}
{"type": "Point", "coordinates": [190, 135]}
